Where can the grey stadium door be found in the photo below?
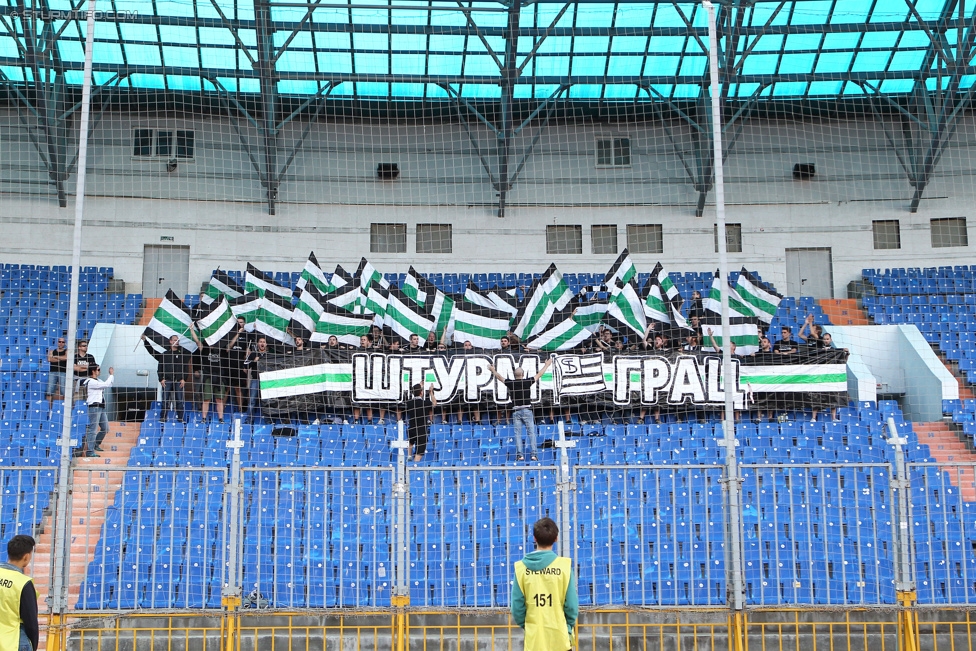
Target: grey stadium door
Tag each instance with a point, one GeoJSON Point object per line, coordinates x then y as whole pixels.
{"type": "Point", "coordinates": [165, 267]}
{"type": "Point", "coordinates": [809, 272]}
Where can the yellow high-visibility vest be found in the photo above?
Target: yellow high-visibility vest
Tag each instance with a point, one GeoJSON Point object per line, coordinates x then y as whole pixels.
{"type": "Point", "coordinates": [545, 593]}
{"type": "Point", "coordinates": [12, 585]}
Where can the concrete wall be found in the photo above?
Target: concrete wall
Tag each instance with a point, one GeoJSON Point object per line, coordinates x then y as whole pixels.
{"type": "Point", "coordinates": [330, 196]}
{"type": "Point", "coordinates": [900, 361]}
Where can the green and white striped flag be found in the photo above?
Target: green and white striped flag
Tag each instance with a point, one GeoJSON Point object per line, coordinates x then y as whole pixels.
{"type": "Point", "coordinates": [473, 295]}
{"type": "Point", "coordinates": [667, 286]}
{"type": "Point", "coordinates": [256, 279]}
{"type": "Point", "coordinates": [303, 380]}
{"type": "Point", "coordinates": [737, 307]}
{"type": "Point", "coordinates": [744, 333]}
{"type": "Point", "coordinates": [221, 284]}
{"type": "Point", "coordinates": [345, 326]}
{"type": "Point", "coordinates": [662, 301]}
{"type": "Point", "coordinates": [368, 275]}
{"type": "Point", "coordinates": [482, 326]}
{"type": "Point", "coordinates": [440, 306]}
{"type": "Point", "coordinates": [340, 280]}
{"type": "Point", "coordinates": [564, 335]}
{"type": "Point", "coordinates": [590, 313]}
{"type": "Point", "coordinates": [413, 288]}
{"type": "Point", "coordinates": [787, 378]}
{"type": "Point", "coordinates": [349, 298]}
{"type": "Point", "coordinates": [547, 295]}
{"type": "Point", "coordinates": [171, 318]}
{"type": "Point", "coordinates": [247, 306]}
{"type": "Point", "coordinates": [404, 318]}
{"type": "Point", "coordinates": [308, 309]}
{"type": "Point", "coordinates": [217, 323]}
{"type": "Point", "coordinates": [623, 270]}
{"type": "Point", "coordinates": [274, 317]}
{"type": "Point", "coordinates": [763, 301]}
{"type": "Point", "coordinates": [312, 275]}
{"type": "Point", "coordinates": [505, 300]}
{"type": "Point", "coordinates": [656, 307]}
{"type": "Point", "coordinates": [626, 310]}
{"type": "Point", "coordinates": [375, 301]}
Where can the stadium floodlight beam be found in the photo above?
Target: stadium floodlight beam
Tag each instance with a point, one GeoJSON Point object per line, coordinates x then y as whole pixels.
{"type": "Point", "coordinates": [732, 474]}
{"type": "Point", "coordinates": [59, 587]}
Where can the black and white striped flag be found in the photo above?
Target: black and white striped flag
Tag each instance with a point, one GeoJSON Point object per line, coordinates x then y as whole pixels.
{"type": "Point", "coordinates": [577, 375]}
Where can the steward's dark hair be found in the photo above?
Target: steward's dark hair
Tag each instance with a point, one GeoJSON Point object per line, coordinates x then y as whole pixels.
{"type": "Point", "coordinates": [545, 531]}
{"type": "Point", "coordinates": [19, 546]}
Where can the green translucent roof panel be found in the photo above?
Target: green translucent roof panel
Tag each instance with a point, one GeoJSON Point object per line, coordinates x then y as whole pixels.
{"type": "Point", "coordinates": [405, 49]}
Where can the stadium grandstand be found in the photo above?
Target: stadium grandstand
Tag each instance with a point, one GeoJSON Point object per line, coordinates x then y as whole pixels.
{"type": "Point", "coordinates": [309, 309]}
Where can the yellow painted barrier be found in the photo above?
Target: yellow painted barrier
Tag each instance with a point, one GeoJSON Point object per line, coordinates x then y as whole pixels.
{"type": "Point", "coordinates": [403, 628]}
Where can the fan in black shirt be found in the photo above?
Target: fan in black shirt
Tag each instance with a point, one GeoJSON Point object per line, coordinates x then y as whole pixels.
{"type": "Point", "coordinates": [417, 410]}
{"type": "Point", "coordinates": [786, 345]}
{"type": "Point", "coordinates": [814, 337]}
{"type": "Point", "coordinates": [214, 369]}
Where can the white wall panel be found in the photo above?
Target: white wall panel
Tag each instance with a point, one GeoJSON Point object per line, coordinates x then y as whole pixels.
{"type": "Point", "coordinates": [330, 196]}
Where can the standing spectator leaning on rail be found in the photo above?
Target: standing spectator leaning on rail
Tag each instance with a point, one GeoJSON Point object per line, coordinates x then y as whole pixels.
{"type": "Point", "coordinates": [544, 600]}
{"type": "Point", "coordinates": [418, 424]}
{"type": "Point", "coordinates": [18, 600]}
{"type": "Point", "coordinates": [520, 391]}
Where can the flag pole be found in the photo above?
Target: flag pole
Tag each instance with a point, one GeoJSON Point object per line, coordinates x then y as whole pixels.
{"type": "Point", "coordinates": [729, 442]}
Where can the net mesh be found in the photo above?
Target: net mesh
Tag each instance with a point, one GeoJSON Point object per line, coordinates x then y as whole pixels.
{"type": "Point", "coordinates": [484, 188]}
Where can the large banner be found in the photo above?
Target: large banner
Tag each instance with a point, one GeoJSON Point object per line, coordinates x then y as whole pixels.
{"type": "Point", "coordinates": [299, 382]}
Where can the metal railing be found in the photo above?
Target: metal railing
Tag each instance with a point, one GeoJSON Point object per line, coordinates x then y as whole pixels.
{"type": "Point", "coordinates": [943, 528]}
{"type": "Point", "coordinates": [158, 542]}
{"type": "Point", "coordinates": [818, 534]}
{"type": "Point", "coordinates": [649, 536]}
{"type": "Point", "coordinates": [316, 537]}
{"type": "Point", "coordinates": [598, 629]}
{"type": "Point", "coordinates": [640, 535]}
{"type": "Point", "coordinates": [396, 542]}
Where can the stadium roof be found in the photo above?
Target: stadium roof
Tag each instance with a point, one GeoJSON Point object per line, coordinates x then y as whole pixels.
{"type": "Point", "coordinates": [268, 61]}
{"type": "Point", "coordinates": [404, 49]}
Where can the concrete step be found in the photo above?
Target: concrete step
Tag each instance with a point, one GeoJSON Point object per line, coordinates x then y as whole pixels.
{"type": "Point", "coordinates": [843, 311]}
{"type": "Point", "coordinates": [947, 449]}
{"type": "Point", "coordinates": [93, 492]}
{"type": "Point", "coordinates": [149, 310]}
{"type": "Point", "coordinates": [965, 391]}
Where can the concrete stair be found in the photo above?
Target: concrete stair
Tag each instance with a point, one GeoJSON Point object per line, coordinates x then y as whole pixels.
{"type": "Point", "coordinates": [149, 310]}
{"type": "Point", "coordinates": [965, 391]}
{"type": "Point", "coordinates": [946, 447]}
{"type": "Point", "coordinates": [843, 311]}
{"type": "Point", "coordinates": [95, 481]}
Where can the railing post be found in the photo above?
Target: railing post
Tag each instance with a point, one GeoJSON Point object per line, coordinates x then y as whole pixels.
{"type": "Point", "coordinates": [231, 594]}
{"type": "Point", "coordinates": [565, 486]}
{"type": "Point", "coordinates": [401, 522]}
{"type": "Point", "coordinates": [905, 575]}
